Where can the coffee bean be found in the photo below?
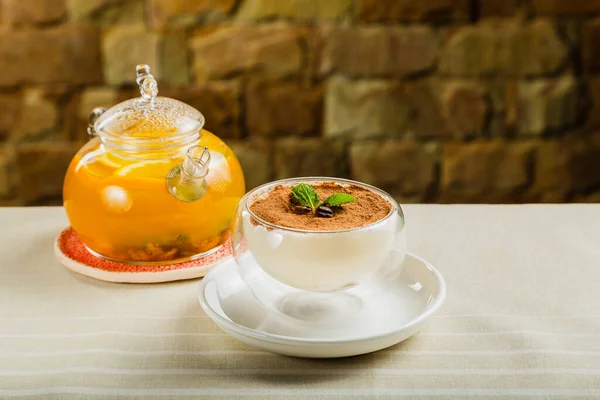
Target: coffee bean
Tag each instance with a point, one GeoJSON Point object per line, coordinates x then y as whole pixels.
{"type": "Point", "coordinates": [301, 210]}
{"type": "Point", "coordinates": [324, 212]}
{"type": "Point", "coordinates": [294, 200]}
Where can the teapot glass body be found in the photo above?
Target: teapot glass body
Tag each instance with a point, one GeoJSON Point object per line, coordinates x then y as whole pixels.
{"type": "Point", "coordinates": [152, 190]}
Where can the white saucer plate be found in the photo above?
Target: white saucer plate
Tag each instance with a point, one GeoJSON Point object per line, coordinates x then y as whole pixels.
{"type": "Point", "coordinates": [399, 310]}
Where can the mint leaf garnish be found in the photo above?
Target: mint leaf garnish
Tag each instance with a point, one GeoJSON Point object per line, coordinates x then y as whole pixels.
{"type": "Point", "coordinates": [306, 195]}
{"type": "Point", "coordinates": [337, 199]}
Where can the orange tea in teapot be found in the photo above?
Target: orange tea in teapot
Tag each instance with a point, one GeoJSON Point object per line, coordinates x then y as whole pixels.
{"type": "Point", "coordinates": [152, 186]}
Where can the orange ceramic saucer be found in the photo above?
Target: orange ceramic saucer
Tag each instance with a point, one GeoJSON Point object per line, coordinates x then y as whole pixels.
{"type": "Point", "coordinates": [72, 253]}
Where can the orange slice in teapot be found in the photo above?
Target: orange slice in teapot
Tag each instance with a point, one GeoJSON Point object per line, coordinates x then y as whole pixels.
{"type": "Point", "coordinates": [141, 175]}
{"type": "Point", "coordinates": [111, 161]}
{"type": "Point", "coordinates": [146, 169]}
{"type": "Point", "coordinates": [89, 163]}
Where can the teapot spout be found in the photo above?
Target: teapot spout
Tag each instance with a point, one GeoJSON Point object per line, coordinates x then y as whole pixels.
{"type": "Point", "coordinates": [187, 182]}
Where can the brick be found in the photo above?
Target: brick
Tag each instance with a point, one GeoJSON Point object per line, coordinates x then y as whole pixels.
{"type": "Point", "coordinates": [548, 181]}
{"type": "Point", "coordinates": [548, 106]}
{"type": "Point", "coordinates": [280, 109]}
{"type": "Point", "coordinates": [474, 51]}
{"type": "Point", "coordinates": [219, 102]}
{"type": "Point", "coordinates": [188, 12]}
{"type": "Point", "coordinates": [402, 168]}
{"type": "Point", "coordinates": [33, 11]}
{"type": "Point", "coordinates": [482, 170]}
{"type": "Point", "coordinates": [7, 172]}
{"type": "Point", "coordinates": [316, 40]}
{"type": "Point", "coordinates": [489, 49]}
{"type": "Point", "coordinates": [273, 51]}
{"type": "Point", "coordinates": [365, 108]}
{"type": "Point", "coordinates": [83, 8]}
{"type": "Point", "coordinates": [372, 108]}
{"type": "Point", "coordinates": [294, 9]}
{"type": "Point", "coordinates": [593, 198]}
{"type": "Point", "coordinates": [96, 97]}
{"type": "Point", "coordinates": [10, 203]}
{"type": "Point", "coordinates": [309, 157]}
{"type": "Point", "coordinates": [593, 91]}
{"type": "Point", "coordinates": [38, 116]}
{"type": "Point", "coordinates": [10, 104]}
{"type": "Point", "coordinates": [509, 101]}
{"type": "Point", "coordinates": [562, 7]}
{"type": "Point", "coordinates": [64, 54]}
{"type": "Point", "coordinates": [42, 168]}
{"type": "Point", "coordinates": [107, 12]}
{"type": "Point", "coordinates": [380, 51]}
{"type": "Point", "coordinates": [411, 10]}
{"type": "Point", "coordinates": [256, 158]}
{"type": "Point", "coordinates": [497, 96]}
{"type": "Point", "coordinates": [589, 45]}
{"type": "Point", "coordinates": [536, 49]}
{"type": "Point", "coordinates": [565, 169]}
{"type": "Point", "coordinates": [426, 114]}
{"type": "Point", "coordinates": [467, 108]}
{"type": "Point", "coordinates": [126, 47]}
{"type": "Point", "coordinates": [500, 8]}
{"type": "Point", "coordinates": [580, 163]}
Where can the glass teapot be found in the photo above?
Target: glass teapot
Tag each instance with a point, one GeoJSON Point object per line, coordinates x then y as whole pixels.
{"type": "Point", "coordinates": [151, 186]}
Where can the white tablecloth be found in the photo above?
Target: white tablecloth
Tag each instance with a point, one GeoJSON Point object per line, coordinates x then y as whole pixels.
{"type": "Point", "coordinates": [521, 320]}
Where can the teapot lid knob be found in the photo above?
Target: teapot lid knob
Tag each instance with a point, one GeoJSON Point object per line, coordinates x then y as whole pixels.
{"type": "Point", "coordinates": [146, 82]}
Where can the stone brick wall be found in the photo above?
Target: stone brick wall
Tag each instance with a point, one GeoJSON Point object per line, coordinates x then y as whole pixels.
{"type": "Point", "coordinates": [432, 100]}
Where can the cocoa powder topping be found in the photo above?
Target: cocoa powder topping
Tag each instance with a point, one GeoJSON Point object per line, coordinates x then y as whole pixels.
{"type": "Point", "coordinates": [275, 207]}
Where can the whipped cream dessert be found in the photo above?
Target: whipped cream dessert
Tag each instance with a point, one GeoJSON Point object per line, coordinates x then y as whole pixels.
{"type": "Point", "coordinates": [315, 254]}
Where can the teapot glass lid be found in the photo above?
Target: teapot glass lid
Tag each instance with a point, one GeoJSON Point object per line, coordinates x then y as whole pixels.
{"type": "Point", "coordinates": [149, 118]}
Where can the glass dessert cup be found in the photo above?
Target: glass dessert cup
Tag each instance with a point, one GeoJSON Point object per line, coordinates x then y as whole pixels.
{"type": "Point", "coordinates": [151, 186]}
{"type": "Point", "coordinates": [316, 275]}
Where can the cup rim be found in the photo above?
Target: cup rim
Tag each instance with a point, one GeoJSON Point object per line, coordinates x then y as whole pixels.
{"type": "Point", "coordinates": [396, 208]}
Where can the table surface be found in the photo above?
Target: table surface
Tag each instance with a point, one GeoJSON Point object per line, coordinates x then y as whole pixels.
{"type": "Point", "coordinates": [521, 320]}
